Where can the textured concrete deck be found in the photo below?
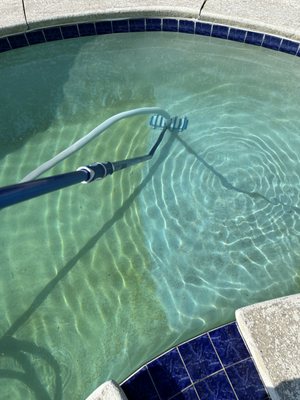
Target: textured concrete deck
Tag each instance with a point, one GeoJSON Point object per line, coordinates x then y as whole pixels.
{"type": "Point", "coordinates": [280, 17]}
{"type": "Point", "coordinates": [45, 12]}
{"type": "Point", "coordinates": [12, 18]}
{"type": "Point", "coordinates": [272, 332]}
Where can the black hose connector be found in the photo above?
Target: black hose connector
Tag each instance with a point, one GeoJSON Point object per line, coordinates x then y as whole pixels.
{"type": "Point", "coordinates": [97, 171]}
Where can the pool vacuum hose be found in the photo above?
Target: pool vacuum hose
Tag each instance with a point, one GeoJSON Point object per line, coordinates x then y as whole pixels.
{"type": "Point", "coordinates": [31, 187]}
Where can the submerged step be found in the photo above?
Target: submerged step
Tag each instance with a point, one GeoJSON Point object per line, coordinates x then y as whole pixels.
{"type": "Point", "coordinates": [109, 390]}
{"type": "Point", "coordinates": [271, 330]}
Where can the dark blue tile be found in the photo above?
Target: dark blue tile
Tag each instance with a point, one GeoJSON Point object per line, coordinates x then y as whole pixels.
{"type": "Point", "coordinates": [186, 26]}
{"type": "Point", "coordinates": [153, 24]}
{"type": "Point", "coordinates": [170, 25]}
{"type": "Point", "coordinates": [200, 357]}
{"type": "Point", "coordinates": [69, 31]}
{"type": "Point", "coordinates": [271, 42]}
{"type": "Point", "coordinates": [203, 29]}
{"type": "Point", "coordinates": [103, 27]}
{"type": "Point", "coordinates": [246, 381]}
{"type": "Point", "coordinates": [238, 35]}
{"type": "Point", "coordinates": [52, 34]}
{"type": "Point", "coordinates": [120, 26]}
{"type": "Point", "coordinates": [229, 344]}
{"type": "Point", "coordinates": [216, 387]}
{"type": "Point", "coordinates": [17, 41]}
{"type": "Point", "coordinates": [188, 394]}
{"type": "Point", "coordinates": [254, 38]}
{"type": "Point", "coordinates": [140, 386]}
{"type": "Point", "coordinates": [137, 25]}
{"type": "Point", "coordinates": [289, 46]}
{"type": "Point", "coordinates": [35, 37]}
{"type": "Point", "coordinates": [4, 45]}
{"type": "Point", "coordinates": [169, 374]}
{"type": "Point", "coordinates": [220, 31]}
{"type": "Point", "coordinates": [86, 29]}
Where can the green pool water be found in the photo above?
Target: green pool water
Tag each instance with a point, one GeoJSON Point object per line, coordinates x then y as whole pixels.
{"type": "Point", "coordinates": [98, 279]}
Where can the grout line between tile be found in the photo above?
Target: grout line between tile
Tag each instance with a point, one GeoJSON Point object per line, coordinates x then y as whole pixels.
{"type": "Point", "coordinates": [223, 367]}
{"type": "Point", "coordinates": [44, 36]}
{"type": "Point", "coordinates": [187, 372]}
{"type": "Point", "coordinates": [230, 384]}
{"type": "Point", "coordinates": [8, 43]}
{"type": "Point", "coordinates": [239, 362]}
{"type": "Point", "coordinates": [149, 374]}
{"type": "Point", "coordinates": [184, 390]}
{"type": "Point", "coordinates": [209, 376]}
{"type": "Point", "coordinates": [27, 41]}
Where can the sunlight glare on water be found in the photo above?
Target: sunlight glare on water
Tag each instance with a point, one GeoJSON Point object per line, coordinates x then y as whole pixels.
{"type": "Point", "coordinates": [97, 279]}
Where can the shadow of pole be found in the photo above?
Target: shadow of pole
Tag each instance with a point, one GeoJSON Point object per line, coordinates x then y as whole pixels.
{"type": "Point", "coordinates": [44, 293]}
{"type": "Point", "coordinates": [227, 185]}
{"type": "Point", "coordinates": [20, 351]}
{"type": "Point", "coordinates": [288, 389]}
{"type": "Point", "coordinates": [17, 349]}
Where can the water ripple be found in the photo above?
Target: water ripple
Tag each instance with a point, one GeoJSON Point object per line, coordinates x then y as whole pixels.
{"type": "Point", "coordinates": [127, 267]}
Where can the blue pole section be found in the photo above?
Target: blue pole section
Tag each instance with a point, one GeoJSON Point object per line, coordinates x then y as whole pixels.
{"type": "Point", "coordinates": [14, 194]}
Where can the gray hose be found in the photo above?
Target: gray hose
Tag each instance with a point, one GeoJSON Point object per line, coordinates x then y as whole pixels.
{"type": "Point", "coordinates": [91, 135]}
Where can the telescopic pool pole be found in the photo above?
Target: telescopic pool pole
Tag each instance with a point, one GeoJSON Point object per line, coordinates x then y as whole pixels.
{"type": "Point", "coordinates": [20, 192]}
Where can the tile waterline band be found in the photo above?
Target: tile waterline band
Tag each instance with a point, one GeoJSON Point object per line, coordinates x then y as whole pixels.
{"type": "Point", "coordinates": [192, 27]}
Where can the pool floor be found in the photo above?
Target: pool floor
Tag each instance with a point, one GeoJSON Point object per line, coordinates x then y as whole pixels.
{"type": "Point", "coordinates": [109, 275]}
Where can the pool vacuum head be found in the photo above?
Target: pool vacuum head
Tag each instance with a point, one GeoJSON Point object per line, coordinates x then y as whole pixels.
{"type": "Point", "coordinates": [177, 124]}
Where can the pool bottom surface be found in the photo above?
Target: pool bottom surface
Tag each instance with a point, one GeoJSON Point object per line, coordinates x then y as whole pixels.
{"type": "Point", "coordinates": [98, 279]}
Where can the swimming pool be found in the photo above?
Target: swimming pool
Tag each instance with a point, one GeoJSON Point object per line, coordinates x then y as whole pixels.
{"type": "Point", "coordinates": [97, 279]}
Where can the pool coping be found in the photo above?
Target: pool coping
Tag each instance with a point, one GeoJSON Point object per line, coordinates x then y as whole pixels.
{"type": "Point", "coordinates": [19, 16]}
{"type": "Point", "coordinates": [271, 331]}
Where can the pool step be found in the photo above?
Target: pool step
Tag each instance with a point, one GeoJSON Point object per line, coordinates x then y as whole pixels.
{"type": "Point", "coordinates": [271, 330]}
{"type": "Point", "coordinates": [109, 390]}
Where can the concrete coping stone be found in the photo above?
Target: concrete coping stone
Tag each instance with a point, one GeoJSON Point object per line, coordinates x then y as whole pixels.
{"type": "Point", "coordinates": [109, 390]}
{"type": "Point", "coordinates": [279, 17]}
{"type": "Point", "coordinates": [271, 330]}
{"type": "Point", "coordinates": [276, 17]}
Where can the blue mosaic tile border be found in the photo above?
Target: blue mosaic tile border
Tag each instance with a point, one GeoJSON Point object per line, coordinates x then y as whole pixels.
{"type": "Point", "coordinates": [213, 366]}
{"type": "Point", "coordinates": [150, 25]}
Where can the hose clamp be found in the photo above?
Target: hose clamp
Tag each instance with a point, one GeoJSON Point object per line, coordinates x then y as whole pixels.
{"type": "Point", "coordinates": [89, 171]}
{"type": "Point", "coordinates": [105, 171]}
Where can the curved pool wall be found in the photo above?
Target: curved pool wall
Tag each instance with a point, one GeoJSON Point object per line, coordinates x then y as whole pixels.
{"type": "Point", "coordinates": [273, 25]}
{"type": "Point", "coordinates": [53, 33]}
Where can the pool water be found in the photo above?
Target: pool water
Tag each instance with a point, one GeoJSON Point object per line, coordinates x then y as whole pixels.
{"type": "Point", "coordinates": [98, 279]}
